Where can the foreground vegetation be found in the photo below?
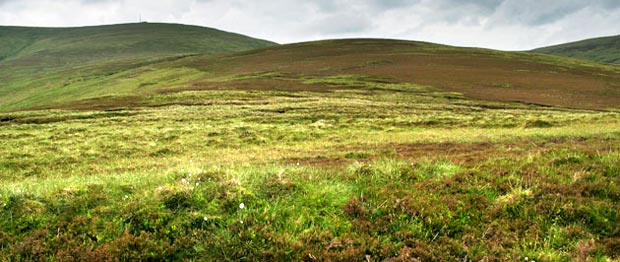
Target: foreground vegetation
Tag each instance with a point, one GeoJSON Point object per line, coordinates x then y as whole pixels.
{"type": "Point", "coordinates": [362, 168]}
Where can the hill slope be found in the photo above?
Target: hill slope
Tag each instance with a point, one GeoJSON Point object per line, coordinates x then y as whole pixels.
{"type": "Point", "coordinates": [336, 64]}
{"type": "Point", "coordinates": [603, 50]}
{"type": "Point", "coordinates": [477, 73]}
{"type": "Point", "coordinates": [32, 46]}
{"type": "Point", "coordinates": [33, 61]}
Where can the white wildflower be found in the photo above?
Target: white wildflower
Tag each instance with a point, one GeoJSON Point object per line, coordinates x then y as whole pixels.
{"type": "Point", "coordinates": [205, 218]}
{"type": "Point", "coordinates": [526, 259]}
{"type": "Point", "coordinates": [241, 205]}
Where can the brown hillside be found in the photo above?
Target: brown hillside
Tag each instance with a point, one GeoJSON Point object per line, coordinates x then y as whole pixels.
{"type": "Point", "coordinates": [477, 73]}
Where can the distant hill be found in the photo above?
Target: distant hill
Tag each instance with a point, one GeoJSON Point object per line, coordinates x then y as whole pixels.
{"type": "Point", "coordinates": [133, 69]}
{"type": "Point", "coordinates": [602, 50]}
{"type": "Point", "coordinates": [330, 65]}
{"type": "Point", "coordinates": [38, 64]}
{"type": "Point", "coordinates": [67, 46]}
{"type": "Point", "coordinates": [474, 72]}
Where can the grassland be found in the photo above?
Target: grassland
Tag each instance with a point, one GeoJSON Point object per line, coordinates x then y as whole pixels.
{"type": "Point", "coordinates": [348, 150]}
{"type": "Point", "coordinates": [365, 169]}
{"type": "Point", "coordinates": [602, 50]}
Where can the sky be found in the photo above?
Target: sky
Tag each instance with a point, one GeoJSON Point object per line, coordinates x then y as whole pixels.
{"type": "Point", "coordinates": [497, 24]}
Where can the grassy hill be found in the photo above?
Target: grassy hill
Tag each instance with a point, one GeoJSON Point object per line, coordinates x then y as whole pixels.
{"type": "Point", "coordinates": [92, 45]}
{"type": "Point", "coordinates": [360, 63]}
{"type": "Point", "coordinates": [603, 50]}
{"type": "Point", "coordinates": [36, 62]}
{"type": "Point", "coordinates": [476, 73]}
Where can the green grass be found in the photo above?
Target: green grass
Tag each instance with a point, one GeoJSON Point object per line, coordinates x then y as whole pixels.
{"type": "Point", "coordinates": [365, 81]}
{"type": "Point", "coordinates": [340, 175]}
{"type": "Point", "coordinates": [603, 50]}
{"type": "Point", "coordinates": [48, 66]}
{"type": "Point", "coordinates": [92, 45]}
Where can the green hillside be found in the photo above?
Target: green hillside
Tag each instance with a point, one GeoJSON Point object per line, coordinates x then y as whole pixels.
{"type": "Point", "coordinates": [68, 46]}
{"type": "Point", "coordinates": [603, 50]}
{"type": "Point", "coordinates": [35, 62]}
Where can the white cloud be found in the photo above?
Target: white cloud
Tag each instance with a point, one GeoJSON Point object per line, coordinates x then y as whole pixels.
{"type": "Point", "coordinates": [500, 24]}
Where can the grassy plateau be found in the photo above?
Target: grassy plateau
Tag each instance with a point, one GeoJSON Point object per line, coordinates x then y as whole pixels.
{"type": "Point", "coordinates": [346, 150]}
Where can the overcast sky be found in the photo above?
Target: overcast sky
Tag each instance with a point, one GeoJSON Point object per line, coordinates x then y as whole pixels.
{"type": "Point", "coordinates": [498, 24]}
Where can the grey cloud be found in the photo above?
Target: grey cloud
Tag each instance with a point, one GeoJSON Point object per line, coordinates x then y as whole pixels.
{"type": "Point", "coordinates": [342, 24]}
{"type": "Point", "coordinates": [527, 12]}
{"type": "Point", "coordinates": [542, 12]}
{"type": "Point", "coordinates": [482, 4]}
{"type": "Point", "coordinates": [96, 1]}
{"type": "Point", "coordinates": [390, 4]}
{"type": "Point", "coordinates": [610, 4]}
{"type": "Point", "coordinates": [503, 24]}
{"type": "Point", "coordinates": [441, 5]}
{"type": "Point", "coordinates": [534, 12]}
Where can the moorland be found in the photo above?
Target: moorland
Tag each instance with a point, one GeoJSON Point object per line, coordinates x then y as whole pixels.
{"type": "Point", "coordinates": [116, 148]}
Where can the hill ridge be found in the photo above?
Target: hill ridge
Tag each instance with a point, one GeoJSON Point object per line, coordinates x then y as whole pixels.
{"type": "Point", "coordinates": [323, 65]}
{"type": "Point", "coordinates": [136, 38]}
{"type": "Point", "coordinates": [36, 61]}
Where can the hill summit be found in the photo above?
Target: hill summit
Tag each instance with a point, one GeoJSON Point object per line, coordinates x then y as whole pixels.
{"type": "Point", "coordinates": [49, 65]}
{"type": "Point", "coordinates": [94, 44]}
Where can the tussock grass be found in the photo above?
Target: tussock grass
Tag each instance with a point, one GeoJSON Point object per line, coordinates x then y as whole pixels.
{"type": "Point", "coordinates": [342, 175]}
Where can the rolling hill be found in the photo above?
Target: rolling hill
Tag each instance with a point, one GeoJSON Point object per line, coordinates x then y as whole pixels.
{"type": "Point", "coordinates": [603, 50]}
{"type": "Point", "coordinates": [476, 73]}
{"type": "Point", "coordinates": [360, 63]}
{"type": "Point", "coordinates": [36, 61]}
{"type": "Point", "coordinates": [89, 45]}
{"type": "Point", "coordinates": [46, 68]}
